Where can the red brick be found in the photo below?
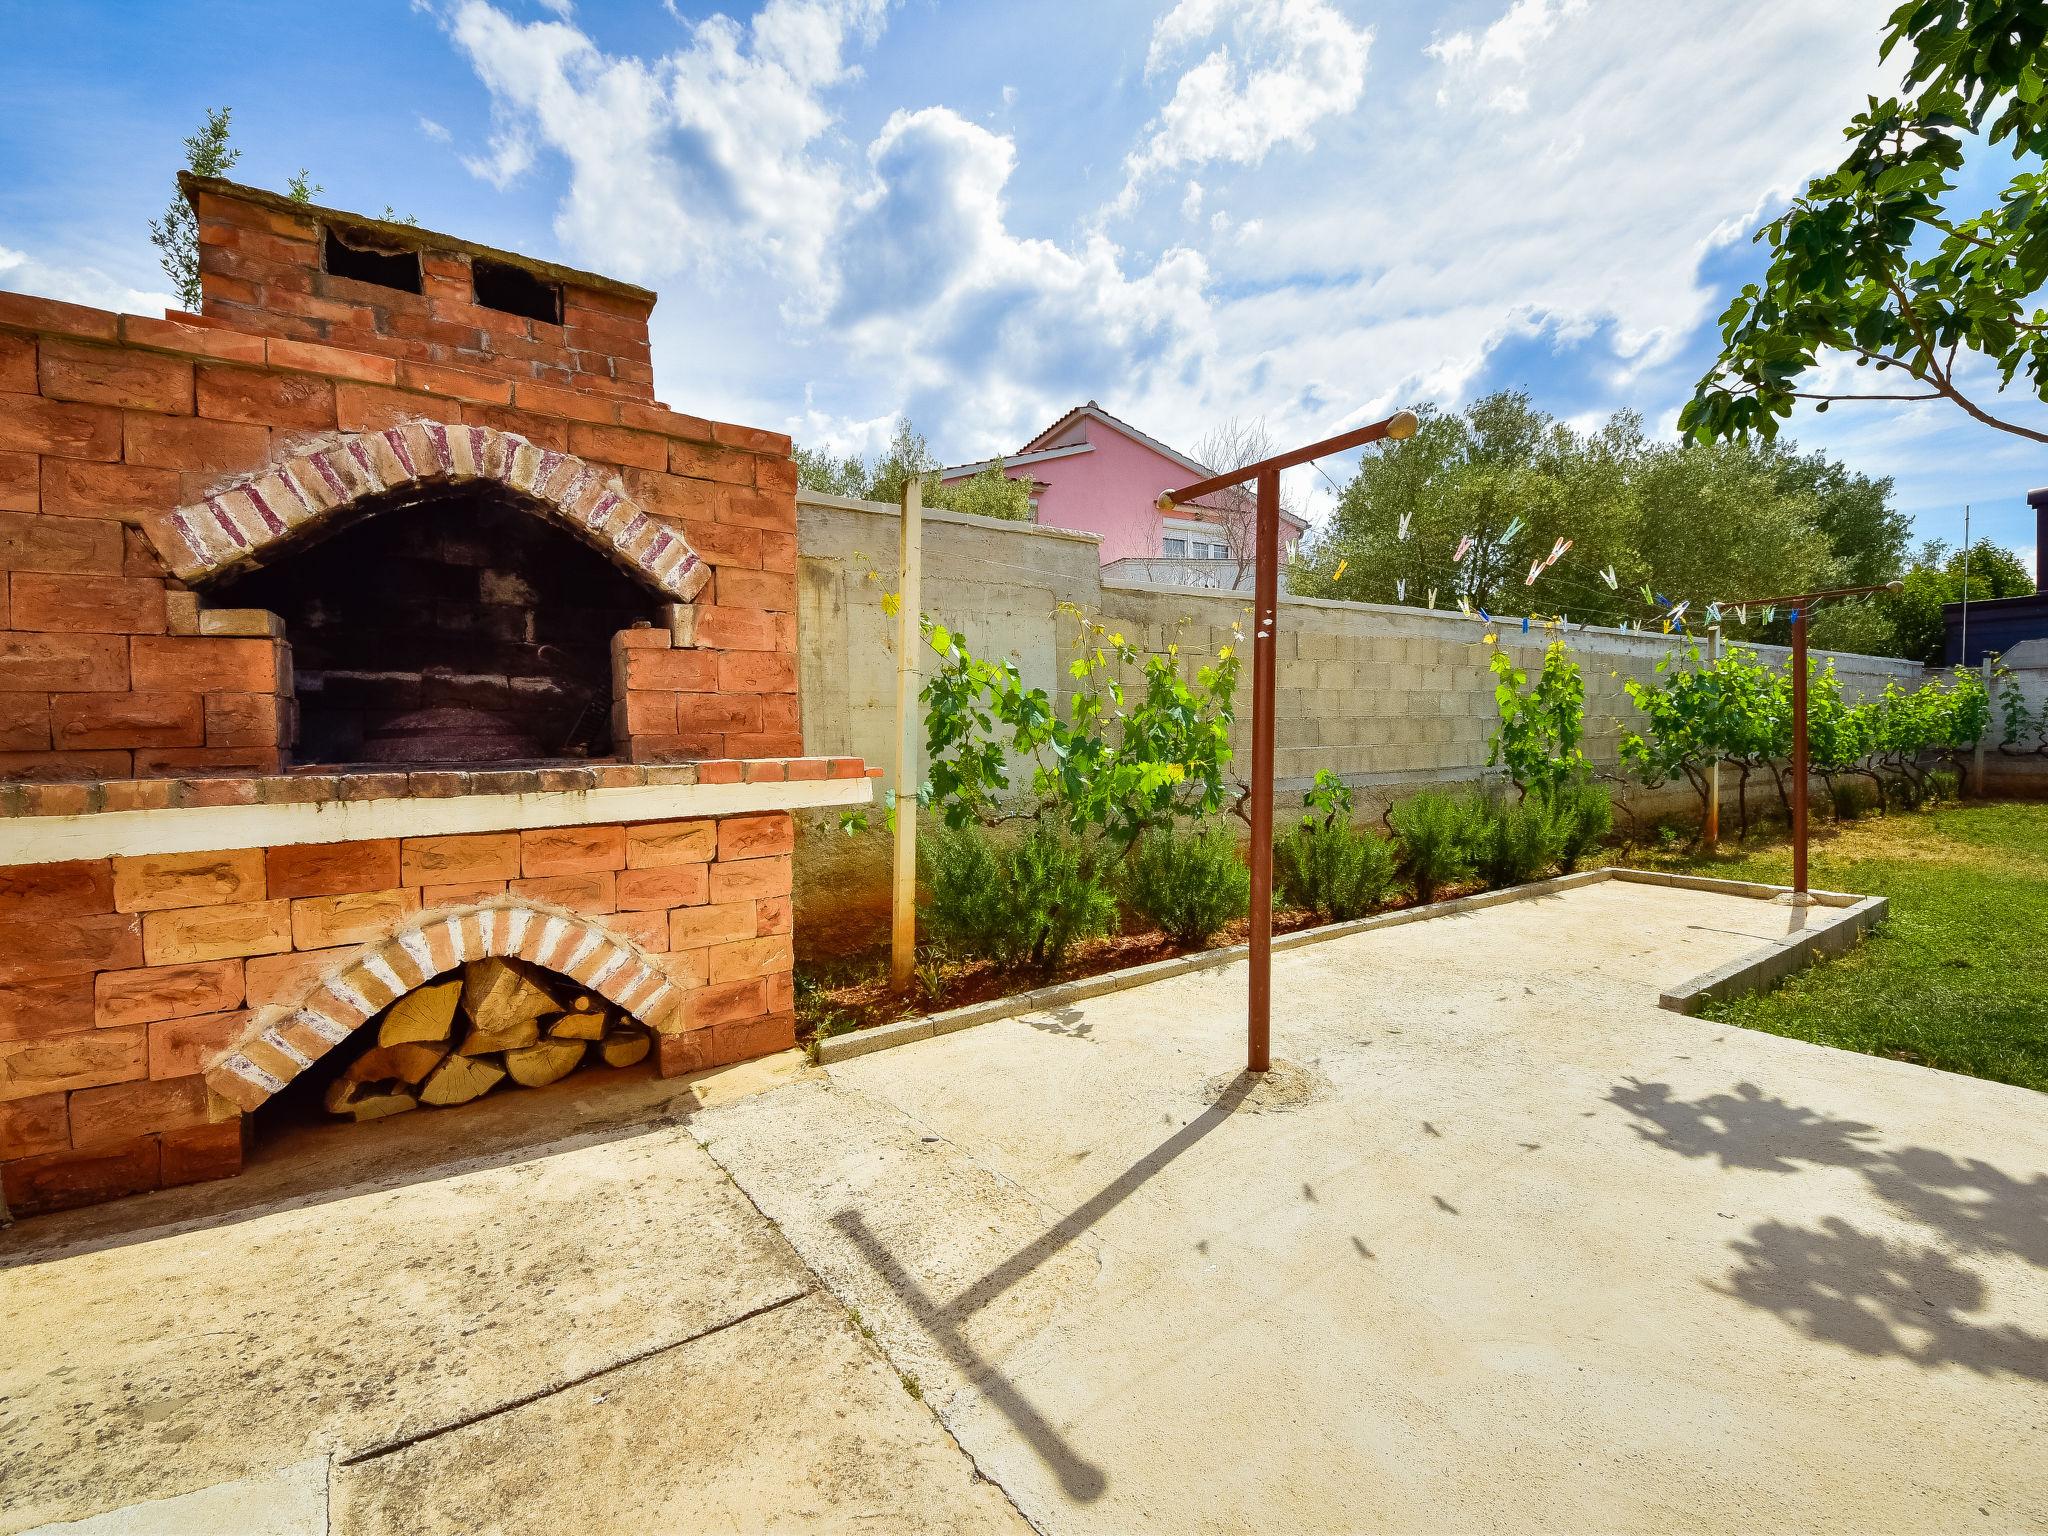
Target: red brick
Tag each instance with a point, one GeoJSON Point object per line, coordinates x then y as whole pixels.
{"type": "Point", "coordinates": [750, 957]}
{"type": "Point", "coordinates": [566, 403]}
{"type": "Point", "coordinates": [68, 663]}
{"type": "Point", "coordinates": [193, 340]}
{"type": "Point", "coordinates": [714, 712]}
{"type": "Point", "coordinates": [90, 1058]}
{"type": "Point", "coordinates": [73, 888]}
{"type": "Point", "coordinates": [754, 837]}
{"type": "Point", "coordinates": [669, 496]}
{"type": "Point", "coordinates": [31, 424]}
{"type": "Point", "coordinates": [696, 927]}
{"type": "Point", "coordinates": [591, 893]}
{"type": "Point", "coordinates": [672, 671]}
{"type": "Point", "coordinates": [372, 408]}
{"type": "Point", "coordinates": [647, 929]}
{"type": "Point", "coordinates": [363, 917]}
{"type": "Point", "coordinates": [190, 442]}
{"type": "Point", "coordinates": [773, 590]}
{"type": "Point", "coordinates": [267, 399]}
{"type": "Point", "coordinates": [460, 857]}
{"type": "Point", "coordinates": [725, 1002]}
{"type": "Point", "coordinates": [105, 605]}
{"type": "Point", "coordinates": [242, 720]}
{"type": "Point", "coordinates": [736, 629]}
{"type": "Point", "coordinates": [456, 383]}
{"type": "Point", "coordinates": [223, 771]}
{"type": "Point", "coordinates": [761, 744]}
{"type": "Point", "coordinates": [461, 893]}
{"type": "Point", "coordinates": [101, 375]}
{"type": "Point", "coordinates": [756, 672]}
{"type": "Point", "coordinates": [677, 885]}
{"type": "Point", "coordinates": [38, 948]}
{"type": "Point", "coordinates": [804, 769]}
{"type": "Point", "coordinates": [166, 992]}
{"type": "Point", "coordinates": [725, 546]}
{"type": "Point", "coordinates": [31, 313]}
{"type": "Point", "coordinates": [56, 1006]}
{"type": "Point", "coordinates": [748, 879]}
{"type": "Point", "coordinates": [17, 364]}
{"type": "Point", "coordinates": [285, 978]}
{"type": "Point", "coordinates": [662, 844]}
{"type": "Point", "coordinates": [60, 1180]}
{"type": "Point", "coordinates": [777, 475]}
{"type": "Point", "coordinates": [100, 1116]}
{"type": "Point", "coordinates": [778, 552]}
{"type": "Point", "coordinates": [201, 1152]}
{"type": "Point", "coordinates": [66, 545]}
{"type": "Point", "coordinates": [29, 1127]}
{"type": "Point", "coordinates": [33, 766]}
{"type": "Point", "coordinates": [154, 882]}
{"type": "Point", "coordinates": [617, 445]}
{"type": "Point", "coordinates": [20, 482]}
{"type": "Point", "coordinates": [772, 915]}
{"type": "Point", "coordinates": [81, 488]}
{"type": "Point", "coordinates": [203, 664]}
{"type": "Point", "coordinates": [307, 357]}
{"type": "Point", "coordinates": [572, 850]}
{"type": "Point", "coordinates": [705, 461]}
{"type": "Point", "coordinates": [753, 439]}
{"type": "Point", "coordinates": [126, 720]}
{"type": "Point", "coordinates": [216, 933]}
{"type": "Point", "coordinates": [332, 869]}
{"type": "Point", "coordinates": [648, 714]}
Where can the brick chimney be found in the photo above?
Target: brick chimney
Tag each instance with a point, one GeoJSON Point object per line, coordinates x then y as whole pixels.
{"type": "Point", "coordinates": [271, 264]}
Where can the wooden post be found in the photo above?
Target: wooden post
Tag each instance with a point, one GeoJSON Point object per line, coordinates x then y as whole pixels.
{"type": "Point", "coordinates": [1265, 636]}
{"type": "Point", "coordinates": [1977, 757]}
{"type": "Point", "coordinates": [909, 645]}
{"type": "Point", "coordinates": [1799, 772]}
{"type": "Point", "coordinates": [1711, 832]}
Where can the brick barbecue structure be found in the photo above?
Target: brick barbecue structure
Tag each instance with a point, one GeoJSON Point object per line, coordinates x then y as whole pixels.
{"type": "Point", "coordinates": [374, 621]}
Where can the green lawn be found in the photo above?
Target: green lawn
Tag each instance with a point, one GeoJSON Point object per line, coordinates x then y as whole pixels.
{"type": "Point", "coordinates": [1956, 977]}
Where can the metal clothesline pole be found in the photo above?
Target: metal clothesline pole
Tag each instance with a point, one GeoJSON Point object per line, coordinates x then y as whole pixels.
{"type": "Point", "coordinates": [1265, 628]}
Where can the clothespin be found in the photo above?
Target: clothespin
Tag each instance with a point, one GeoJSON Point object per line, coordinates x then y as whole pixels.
{"type": "Point", "coordinates": [1662, 601]}
{"type": "Point", "coordinates": [1525, 623]}
{"type": "Point", "coordinates": [1713, 613]}
{"type": "Point", "coordinates": [1607, 575]}
{"type": "Point", "coordinates": [1514, 527]}
{"type": "Point", "coordinates": [1649, 597]}
{"type": "Point", "coordinates": [1792, 617]}
{"type": "Point", "coordinates": [1338, 574]}
{"type": "Point", "coordinates": [1535, 570]}
{"type": "Point", "coordinates": [1742, 613]}
{"type": "Point", "coordinates": [1464, 549]}
{"type": "Point", "coordinates": [1557, 550]}
{"type": "Point", "coordinates": [1405, 516]}
{"type": "Point", "coordinates": [1679, 612]}
{"type": "Point", "coordinates": [1770, 613]}
{"type": "Point", "coordinates": [1465, 605]}
{"type": "Point", "coordinates": [1432, 597]}
{"type": "Point", "coordinates": [1485, 617]}
{"type": "Point", "coordinates": [1400, 589]}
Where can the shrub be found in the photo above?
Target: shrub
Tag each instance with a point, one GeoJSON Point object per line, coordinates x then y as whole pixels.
{"type": "Point", "coordinates": [1943, 785]}
{"type": "Point", "coordinates": [1190, 884]}
{"type": "Point", "coordinates": [1581, 817]}
{"type": "Point", "coordinates": [1333, 869]}
{"type": "Point", "coordinates": [1017, 902]}
{"type": "Point", "coordinates": [1512, 840]}
{"type": "Point", "coordinates": [1850, 798]}
{"type": "Point", "coordinates": [1434, 833]}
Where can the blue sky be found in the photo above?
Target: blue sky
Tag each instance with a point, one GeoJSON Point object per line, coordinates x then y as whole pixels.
{"type": "Point", "coordinates": [1309, 211]}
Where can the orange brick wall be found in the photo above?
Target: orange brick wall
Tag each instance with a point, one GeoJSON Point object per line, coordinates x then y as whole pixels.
{"type": "Point", "coordinates": [109, 670]}
{"type": "Point", "coordinates": [123, 979]}
{"type": "Point", "coordinates": [260, 269]}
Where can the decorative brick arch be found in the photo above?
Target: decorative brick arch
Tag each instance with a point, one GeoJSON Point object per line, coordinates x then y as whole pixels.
{"type": "Point", "coordinates": [282, 1042]}
{"type": "Point", "coordinates": [240, 521]}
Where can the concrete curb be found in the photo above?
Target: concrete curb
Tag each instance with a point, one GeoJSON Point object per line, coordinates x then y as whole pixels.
{"type": "Point", "coordinates": [1749, 974]}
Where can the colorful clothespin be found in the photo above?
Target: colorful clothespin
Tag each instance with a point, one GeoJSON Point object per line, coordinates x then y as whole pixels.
{"type": "Point", "coordinates": [1514, 527]}
{"type": "Point", "coordinates": [1713, 613]}
{"type": "Point", "coordinates": [1649, 597]}
{"type": "Point", "coordinates": [1465, 605]}
{"type": "Point", "coordinates": [1770, 613]}
{"type": "Point", "coordinates": [1557, 550]}
{"type": "Point", "coordinates": [1464, 549]}
{"type": "Point", "coordinates": [1485, 617]}
{"type": "Point", "coordinates": [1338, 574]}
{"type": "Point", "coordinates": [1607, 575]}
{"type": "Point", "coordinates": [1792, 617]}
{"type": "Point", "coordinates": [1525, 623]}
{"type": "Point", "coordinates": [1535, 570]}
{"type": "Point", "coordinates": [1679, 612]}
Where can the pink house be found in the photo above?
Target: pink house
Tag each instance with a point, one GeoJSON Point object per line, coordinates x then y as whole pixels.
{"type": "Point", "coordinates": [1096, 474]}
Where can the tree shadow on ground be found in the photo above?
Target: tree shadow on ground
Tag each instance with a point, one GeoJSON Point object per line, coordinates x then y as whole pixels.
{"type": "Point", "coordinates": [1867, 1292]}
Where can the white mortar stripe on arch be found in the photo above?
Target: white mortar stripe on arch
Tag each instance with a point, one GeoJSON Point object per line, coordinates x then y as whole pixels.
{"type": "Point", "coordinates": [380, 968]}
{"type": "Point", "coordinates": [349, 997]}
{"type": "Point", "coordinates": [273, 1038]}
{"type": "Point", "coordinates": [414, 943]}
{"type": "Point", "coordinates": [209, 828]}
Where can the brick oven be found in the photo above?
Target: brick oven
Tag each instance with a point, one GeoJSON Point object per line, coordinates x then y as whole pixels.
{"type": "Point", "coordinates": [375, 653]}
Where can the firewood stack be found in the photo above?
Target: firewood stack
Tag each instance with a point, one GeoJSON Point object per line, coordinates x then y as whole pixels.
{"type": "Point", "coordinates": [495, 1022]}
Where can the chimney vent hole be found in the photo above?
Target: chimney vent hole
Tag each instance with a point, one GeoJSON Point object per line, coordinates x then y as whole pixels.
{"type": "Point", "coordinates": [368, 264]}
{"type": "Point", "coordinates": [516, 291]}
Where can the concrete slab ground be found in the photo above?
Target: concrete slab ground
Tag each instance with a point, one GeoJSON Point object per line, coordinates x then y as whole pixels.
{"type": "Point", "coordinates": [546, 1313]}
{"type": "Point", "coordinates": [1512, 1248]}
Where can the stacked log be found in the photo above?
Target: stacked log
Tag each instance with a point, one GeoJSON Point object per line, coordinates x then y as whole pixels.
{"type": "Point", "coordinates": [491, 1024]}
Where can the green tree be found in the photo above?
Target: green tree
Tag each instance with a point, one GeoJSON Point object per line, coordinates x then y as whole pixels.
{"type": "Point", "coordinates": [818, 470]}
{"type": "Point", "coordinates": [989, 493]}
{"type": "Point", "coordinates": [1936, 577]}
{"type": "Point", "coordinates": [1873, 264]}
{"type": "Point", "coordinates": [176, 234]}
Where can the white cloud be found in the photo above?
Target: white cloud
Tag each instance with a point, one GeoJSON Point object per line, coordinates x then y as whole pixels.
{"type": "Point", "coordinates": [1286, 66]}
{"type": "Point", "coordinates": [1191, 201]}
{"type": "Point", "coordinates": [680, 159]}
{"type": "Point", "coordinates": [1504, 49]}
{"type": "Point", "coordinates": [434, 130]}
{"type": "Point", "coordinates": [77, 283]}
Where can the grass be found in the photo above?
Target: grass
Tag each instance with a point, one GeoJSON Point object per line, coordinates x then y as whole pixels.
{"type": "Point", "coordinates": [1956, 977]}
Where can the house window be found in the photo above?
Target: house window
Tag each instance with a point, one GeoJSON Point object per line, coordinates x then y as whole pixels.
{"type": "Point", "coordinates": [1174, 548]}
